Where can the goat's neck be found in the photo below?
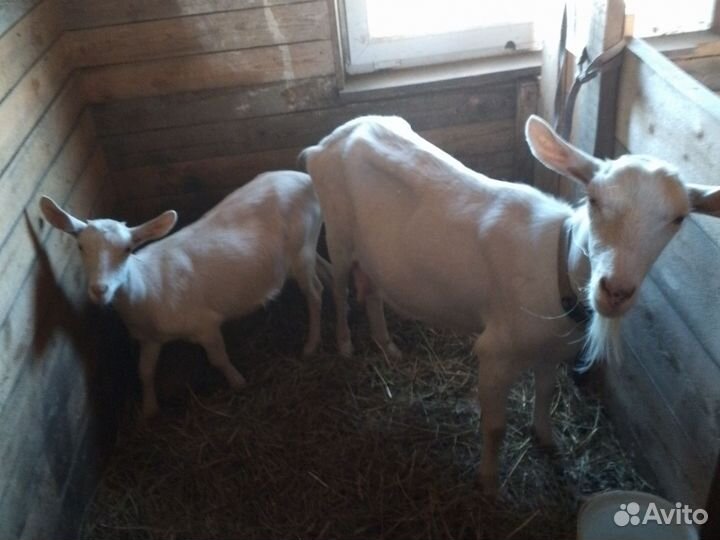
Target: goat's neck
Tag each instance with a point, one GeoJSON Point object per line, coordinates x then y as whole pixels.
{"type": "Point", "coordinates": [133, 289]}
{"type": "Point", "coordinates": [578, 262]}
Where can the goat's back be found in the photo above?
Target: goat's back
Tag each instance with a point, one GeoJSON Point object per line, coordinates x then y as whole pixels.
{"type": "Point", "coordinates": [443, 243]}
{"type": "Point", "coordinates": [238, 254]}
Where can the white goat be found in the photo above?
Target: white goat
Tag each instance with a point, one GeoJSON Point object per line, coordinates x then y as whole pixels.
{"type": "Point", "coordinates": [225, 265]}
{"type": "Point", "coordinates": [451, 247]}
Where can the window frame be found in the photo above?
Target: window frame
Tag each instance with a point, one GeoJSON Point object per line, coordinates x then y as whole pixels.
{"type": "Point", "coordinates": [365, 55]}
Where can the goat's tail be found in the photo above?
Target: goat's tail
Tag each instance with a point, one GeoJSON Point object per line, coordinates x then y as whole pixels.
{"type": "Point", "coordinates": [302, 159]}
{"type": "Point", "coordinates": [323, 268]}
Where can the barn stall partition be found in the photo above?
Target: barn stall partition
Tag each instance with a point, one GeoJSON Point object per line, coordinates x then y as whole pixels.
{"type": "Point", "coordinates": [665, 393]}
{"type": "Point", "coordinates": [131, 108]}
{"type": "Point", "coordinates": [143, 106]}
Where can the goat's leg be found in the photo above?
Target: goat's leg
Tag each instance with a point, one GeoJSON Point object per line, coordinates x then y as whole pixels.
{"type": "Point", "coordinates": [378, 325]}
{"type": "Point", "coordinates": [149, 354]}
{"type": "Point", "coordinates": [544, 390]}
{"type": "Point", "coordinates": [494, 381]}
{"type": "Point", "coordinates": [310, 285]}
{"type": "Point", "coordinates": [214, 346]}
{"type": "Point", "coordinates": [341, 266]}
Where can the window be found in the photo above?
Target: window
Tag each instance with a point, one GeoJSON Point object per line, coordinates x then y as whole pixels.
{"type": "Point", "coordinates": [652, 18]}
{"type": "Point", "coordinates": [402, 33]}
{"type": "Point", "coordinates": [381, 34]}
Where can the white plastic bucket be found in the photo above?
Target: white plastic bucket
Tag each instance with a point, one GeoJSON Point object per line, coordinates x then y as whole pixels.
{"type": "Point", "coordinates": [620, 515]}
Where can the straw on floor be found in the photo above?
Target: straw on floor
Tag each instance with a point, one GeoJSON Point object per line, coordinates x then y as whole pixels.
{"type": "Point", "coordinates": [327, 447]}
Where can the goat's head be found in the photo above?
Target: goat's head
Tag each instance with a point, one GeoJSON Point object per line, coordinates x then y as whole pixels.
{"type": "Point", "coordinates": [635, 205]}
{"type": "Point", "coordinates": [106, 245]}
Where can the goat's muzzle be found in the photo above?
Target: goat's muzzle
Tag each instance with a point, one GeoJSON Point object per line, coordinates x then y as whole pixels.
{"type": "Point", "coordinates": [98, 293]}
{"type": "Point", "coordinates": [613, 299]}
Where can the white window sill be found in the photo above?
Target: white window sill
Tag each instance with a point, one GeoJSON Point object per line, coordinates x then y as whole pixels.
{"type": "Point", "coordinates": [382, 84]}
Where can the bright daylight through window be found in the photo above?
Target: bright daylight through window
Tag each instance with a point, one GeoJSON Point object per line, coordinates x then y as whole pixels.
{"type": "Point", "coordinates": [384, 34]}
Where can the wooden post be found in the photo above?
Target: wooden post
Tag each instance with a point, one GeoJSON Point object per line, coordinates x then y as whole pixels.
{"type": "Point", "coordinates": [527, 104]}
{"type": "Point", "coordinates": [544, 178]}
{"type": "Point", "coordinates": [595, 131]}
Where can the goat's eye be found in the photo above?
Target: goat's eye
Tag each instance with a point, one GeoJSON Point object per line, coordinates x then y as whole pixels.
{"type": "Point", "coordinates": [128, 249]}
{"type": "Point", "coordinates": [80, 247]}
{"type": "Point", "coordinates": [678, 220]}
{"type": "Point", "coordinates": [592, 201]}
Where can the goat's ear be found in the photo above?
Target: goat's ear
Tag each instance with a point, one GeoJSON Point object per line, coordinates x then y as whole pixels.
{"type": "Point", "coordinates": [153, 229]}
{"type": "Point", "coordinates": [557, 154]}
{"type": "Point", "coordinates": [59, 218]}
{"type": "Point", "coordinates": [704, 199]}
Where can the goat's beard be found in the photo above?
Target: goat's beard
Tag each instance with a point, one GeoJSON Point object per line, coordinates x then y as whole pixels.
{"type": "Point", "coordinates": [602, 342]}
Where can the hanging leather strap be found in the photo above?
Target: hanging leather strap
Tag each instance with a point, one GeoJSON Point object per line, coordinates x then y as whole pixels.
{"type": "Point", "coordinates": [586, 70]}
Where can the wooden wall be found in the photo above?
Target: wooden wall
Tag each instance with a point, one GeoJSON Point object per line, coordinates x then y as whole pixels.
{"type": "Point", "coordinates": [48, 145]}
{"type": "Point", "coordinates": [193, 98]}
{"type": "Point", "coordinates": [130, 107]}
{"type": "Point", "coordinates": [666, 394]}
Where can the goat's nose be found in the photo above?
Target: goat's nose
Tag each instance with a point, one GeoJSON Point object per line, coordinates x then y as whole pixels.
{"type": "Point", "coordinates": [617, 294]}
{"type": "Point", "coordinates": [98, 289]}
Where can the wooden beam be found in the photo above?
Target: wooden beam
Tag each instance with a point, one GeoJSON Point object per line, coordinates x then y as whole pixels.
{"type": "Point", "coordinates": [668, 381]}
{"type": "Point", "coordinates": [22, 332]}
{"type": "Point", "coordinates": [527, 104]}
{"type": "Point", "coordinates": [158, 147]}
{"type": "Point", "coordinates": [29, 39]}
{"type": "Point", "coordinates": [95, 13]}
{"type": "Point", "coordinates": [198, 34]}
{"type": "Point", "coordinates": [705, 70]}
{"type": "Point", "coordinates": [14, 11]}
{"type": "Point", "coordinates": [596, 105]}
{"type": "Point", "coordinates": [27, 101]}
{"type": "Point", "coordinates": [203, 71]}
{"type": "Point", "coordinates": [544, 178]}
{"type": "Point", "coordinates": [664, 112]}
{"type": "Point", "coordinates": [214, 105]}
{"type": "Point", "coordinates": [21, 177]}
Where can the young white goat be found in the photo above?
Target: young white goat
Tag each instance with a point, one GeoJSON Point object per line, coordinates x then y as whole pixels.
{"type": "Point", "coordinates": [225, 265]}
{"type": "Point", "coordinates": [446, 245]}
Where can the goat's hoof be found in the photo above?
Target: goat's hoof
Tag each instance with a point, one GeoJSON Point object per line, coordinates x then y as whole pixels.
{"type": "Point", "coordinates": [490, 484]}
{"type": "Point", "coordinates": [309, 349]}
{"type": "Point", "coordinates": [392, 351]}
{"type": "Point", "coordinates": [149, 412]}
{"type": "Point", "coordinates": [237, 383]}
{"type": "Point", "coordinates": [345, 348]}
{"type": "Point", "coordinates": [544, 440]}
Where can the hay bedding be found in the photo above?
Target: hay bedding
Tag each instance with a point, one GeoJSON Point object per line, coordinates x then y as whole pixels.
{"type": "Point", "coordinates": [366, 448]}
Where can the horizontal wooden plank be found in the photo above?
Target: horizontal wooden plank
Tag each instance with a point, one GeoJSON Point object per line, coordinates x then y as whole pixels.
{"type": "Point", "coordinates": [20, 179]}
{"type": "Point", "coordinates": [191, 177]}
{"type": "Point", "coordinates": [148, 188]}
{"type": "Point", "coordinates": [667, 384]}
{"type": "Point", "coordinates": [27, 101]}
{"type": "Point", "coordinates": [158, 147]}
{"type": "Point", "coordinates": [473, 139]}
{"type": "Point", "coordinates": [49, 413]}
{"type": "Point", "coordinates": [92, 13]}
{"type": "Point", "coordinates": [51, 388]}
{"type": "Point", "coordinates": [687, 274]}
{"type": "Point", "coordinates": [29, 38]}
{"type": "Point", "coordinates": [706, 70]}
{"type": "Point", "coordinates": [216, 32]}
{"type": "Point", "coordinates": [662, 111]}
{"type": "Point", "coordinates": [26, 331]}
{"type": "Point", "coordinates": [215, 105]}
{"type": "Point", "coordinates": [17, 254]}
{"type": "Point", "coordinates": [12, 12]}
{"type": "Point", "coordinates": [203, 71]}
{"type": "Point", "coordinates": [43, 518]}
